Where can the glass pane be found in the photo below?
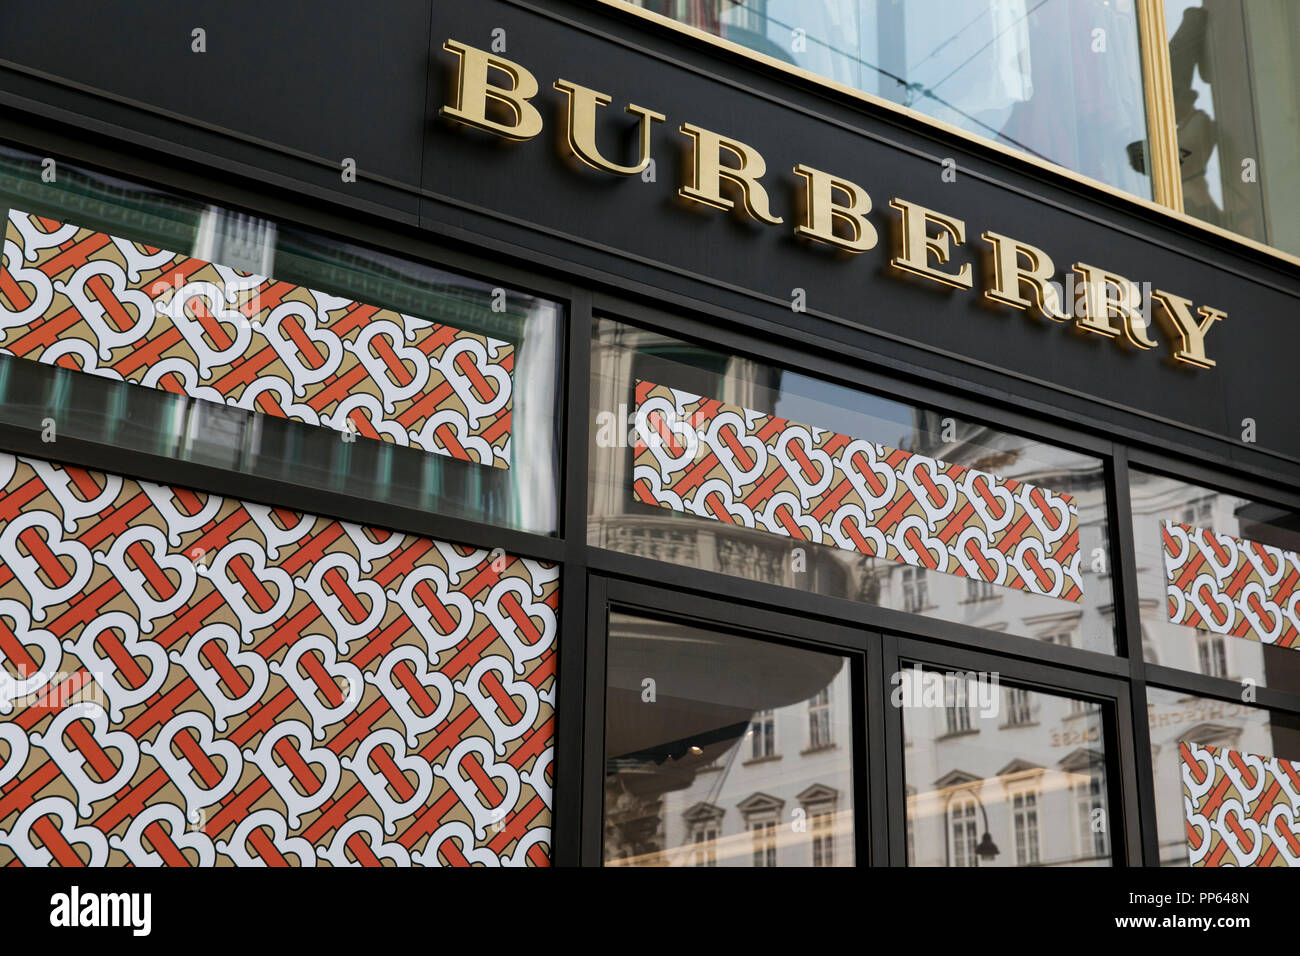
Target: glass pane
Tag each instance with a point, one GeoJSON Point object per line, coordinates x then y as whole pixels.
{"type": "Point", "coordinates": [1222, 769]}
{"type": "Point", "coordinates": [1236, 94]}
{"type": "Point", "coordinates": [1062, 82]}
{"type": "Point", "coordinates": [259, 347]}
{"type": "Point", "coordinates": [1001, 776]}
{"type": "Point", "coordinates": [1218, 582]}
{"type": "Point", "coordinates": [724, 750]}
{"type": "Point", "coordinates": [843, 493]}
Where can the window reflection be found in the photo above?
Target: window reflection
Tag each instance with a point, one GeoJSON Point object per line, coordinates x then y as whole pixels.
{"type": "Point", "coordinates": [724, 751]}
{"type": "Point", "coordinates": [1057, 79]}
{"type": "Point", "coordinates": [622, 355]}
{"type": "Point", "coordinates": [1178, 718]}
{"type": "Point", "coordinates": [1023, 787]}
{"type": "Point", "coordinates": [1235, 101]}
{"type": "Point", "coordinates": [1236, 650]}
{"type": "Point", "coordinates": [101, 409]}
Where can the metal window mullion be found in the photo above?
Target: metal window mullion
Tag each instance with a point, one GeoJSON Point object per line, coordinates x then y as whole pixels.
{"type": "Point", "coordinates": [569, 820]}
{"type": "Point", "coordinates": [889, 788]}
{"type": "Point", "coordinates": [1137, 780]}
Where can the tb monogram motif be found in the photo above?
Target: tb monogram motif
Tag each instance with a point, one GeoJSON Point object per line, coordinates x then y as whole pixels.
{"type": "Point", "coordinates": [1240, 809]}
{"type": "Point", "coordinates": [187, 680]}
{"type": "Point", "coordinates": [1231, 585]}
{"type": "Point", "coordinates": [111, 307]}
{"type": "Point", "coordinates": [703, 457]}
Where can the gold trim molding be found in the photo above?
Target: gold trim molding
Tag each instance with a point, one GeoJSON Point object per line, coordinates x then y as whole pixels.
{"type": "Point", "coordinates": [1157, 87]}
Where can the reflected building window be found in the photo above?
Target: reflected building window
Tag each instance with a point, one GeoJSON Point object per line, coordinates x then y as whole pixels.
{"type": "Point", "coordinates": [762, 736]}
{"type": "Point", "coordinates": [977, 590]}
{"type": "Point", "coordinates": [957, 710]}
{"type": "Point", "coordinates": [819, 720]}
{"type": "Point", "coordinates": [764, 832]}
{"type": "Point", "coordinates": [1019, 704]}
{"type": "Point", "coordinates": [1088, 798]}
{"type": "Point", "coordinates": [957, 718]}
{"type": "Point", "coordinates": [762, 814]}
{"type": "Point", "coordinates": [704, 821]}
{"type": "Point", "coordinates": [963, 830]}
{"type": "Point", "coordinates": [1199, 513]}
{"type": "Point", "coordinates": [916, 593]}
{"type": "Point", "coordinates": [1024, 811]}
{"type": "Point", "coordinates": [1087, 769]}
{"type": "Point", "coordinates": [1212, 653]}
{"type": "Point", "coordinates": [1059, 638]}
{"type": "Point", "coordinates": [823, 839]}
{"type": "Point", "coordinates": [818, 802]}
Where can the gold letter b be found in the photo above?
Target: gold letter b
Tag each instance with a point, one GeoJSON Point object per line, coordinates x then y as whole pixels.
{"type": "Point", "coordinates": [474, 89]}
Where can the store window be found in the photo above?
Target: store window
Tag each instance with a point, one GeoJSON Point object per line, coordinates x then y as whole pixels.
{"type": "Point", "coordinates": [1236, 92]}
{"type": "Point", "coordinates": [1060, 82]}
{"type": "Point", "coordinates": [726, 464]}
{"type": "Point", "coordinates": [1227, 781]}
{"type": "Point", "coordinates": [1218, 582]}
{"type": "Point", "coordinates": [147, 321]}
{"type": "Point", "coordinates": [679, 785]}
{"type": "Point", "coordinates": [1002, 793]}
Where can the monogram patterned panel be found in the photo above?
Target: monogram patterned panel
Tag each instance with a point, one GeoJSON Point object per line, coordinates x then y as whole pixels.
{"type": "Point", "coordinates": [1240, 809]}
{"type": "Point", "coordinates": [727, 463]}
{"type": "Point", "coordinates": [1231, 586]}
{"type": "Point", "coordinates": [87, 300]}
{"type": "Point", "coordinates": [192, 680]}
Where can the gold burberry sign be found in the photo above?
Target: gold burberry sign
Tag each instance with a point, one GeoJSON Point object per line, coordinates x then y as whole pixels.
{"type": "Point", "coordinates": [495, 94]}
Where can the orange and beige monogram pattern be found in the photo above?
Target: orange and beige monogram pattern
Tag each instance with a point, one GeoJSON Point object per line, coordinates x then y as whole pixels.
{"type": "Point", "coordinates": [189, 680]}
{"type": "Point", "coordinates": [108, 306]}
{"type": "Point", "coordinates": [1231, 586]}
{"type": "Point", "coordinates": [1240, 809]}
{"type": "Point", "coordinates": [703, 457]}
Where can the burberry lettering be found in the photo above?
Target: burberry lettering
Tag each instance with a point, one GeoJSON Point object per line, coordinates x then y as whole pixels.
{"type": "Point", "coordinates": [728, 174]}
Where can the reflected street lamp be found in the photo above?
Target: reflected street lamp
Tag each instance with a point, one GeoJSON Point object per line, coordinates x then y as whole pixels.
{"type": "Point", "coordinates": [986, 849]}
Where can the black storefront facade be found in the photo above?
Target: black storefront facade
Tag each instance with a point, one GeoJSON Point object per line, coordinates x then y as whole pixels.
{"type": "Point", "coordinates": [702, 689]}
